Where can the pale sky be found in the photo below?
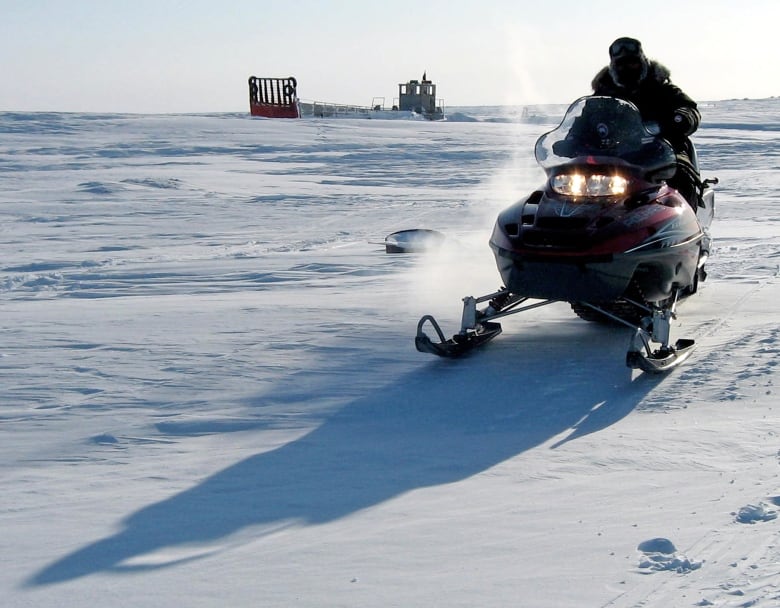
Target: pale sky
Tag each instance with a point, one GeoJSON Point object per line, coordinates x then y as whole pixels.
{"type": "Point", "coordinates": [196, 55]}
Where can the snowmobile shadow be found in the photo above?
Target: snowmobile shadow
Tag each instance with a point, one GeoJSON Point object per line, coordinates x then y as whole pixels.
{"type": "Point", "coordinates": [442, 423]}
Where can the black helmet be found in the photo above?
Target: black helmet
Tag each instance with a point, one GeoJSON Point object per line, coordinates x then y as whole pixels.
{"type": "Point", "coordinates": [628, 65]}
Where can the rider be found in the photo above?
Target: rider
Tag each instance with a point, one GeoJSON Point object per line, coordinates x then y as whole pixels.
{"type": "Point", "coordinates": [646, 84]}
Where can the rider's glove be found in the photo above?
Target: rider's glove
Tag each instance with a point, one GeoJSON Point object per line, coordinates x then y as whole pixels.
{"type": "Point", "coordinates": [682, 123]}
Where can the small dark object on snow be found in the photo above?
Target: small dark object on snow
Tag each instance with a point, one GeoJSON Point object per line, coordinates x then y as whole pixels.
{"type": "Point", "coordinates": [413, 241]}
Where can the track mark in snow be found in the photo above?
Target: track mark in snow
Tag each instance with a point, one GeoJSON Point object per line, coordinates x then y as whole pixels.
{"type": "Point", "coordinates": [750, 361]}
{"type": "Point", "coordinates": [752, 581]}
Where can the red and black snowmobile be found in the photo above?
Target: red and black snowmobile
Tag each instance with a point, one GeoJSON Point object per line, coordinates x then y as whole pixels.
{"type": "Point", "coordinates": [605, 233]}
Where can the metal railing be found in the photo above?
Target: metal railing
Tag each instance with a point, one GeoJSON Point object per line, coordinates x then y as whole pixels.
{"type": "Point", "coordinates": [273, 91]}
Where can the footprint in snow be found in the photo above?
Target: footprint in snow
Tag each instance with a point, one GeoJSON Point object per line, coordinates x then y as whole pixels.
{"type": "Point", "coordinates": [660, 554]}
{"type": "Point", "coordinates": [751, 514]}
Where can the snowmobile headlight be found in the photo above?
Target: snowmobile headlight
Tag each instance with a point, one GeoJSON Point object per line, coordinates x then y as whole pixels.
{"type": "Point", "coordinates": [577, 184]}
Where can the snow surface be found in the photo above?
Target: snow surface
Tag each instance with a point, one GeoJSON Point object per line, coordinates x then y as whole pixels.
{"type": "Point", "coordinates": [209, 393]}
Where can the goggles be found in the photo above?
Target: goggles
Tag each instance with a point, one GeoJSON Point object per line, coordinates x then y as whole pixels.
{"type": "Point", "coordinates": [625, 46]}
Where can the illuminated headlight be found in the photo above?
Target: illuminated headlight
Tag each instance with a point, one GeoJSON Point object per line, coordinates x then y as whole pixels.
{"type": "Point", "coordinates": [576, 184]}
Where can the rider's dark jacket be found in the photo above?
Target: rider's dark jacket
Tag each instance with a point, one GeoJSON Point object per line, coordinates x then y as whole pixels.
{"type": "Point", "coordinates": [658, 101]}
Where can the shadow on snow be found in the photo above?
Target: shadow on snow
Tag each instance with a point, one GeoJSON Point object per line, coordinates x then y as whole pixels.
{"type": "Point", "coordinates": [440, 424]}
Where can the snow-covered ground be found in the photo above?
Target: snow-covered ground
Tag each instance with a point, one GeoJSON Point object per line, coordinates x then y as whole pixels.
{"type": "Point", "coordinates": [209, 393]}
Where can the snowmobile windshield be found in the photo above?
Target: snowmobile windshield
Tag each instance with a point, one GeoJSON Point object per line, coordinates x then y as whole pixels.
{"type": "Point", "coordinates": [605, 131]}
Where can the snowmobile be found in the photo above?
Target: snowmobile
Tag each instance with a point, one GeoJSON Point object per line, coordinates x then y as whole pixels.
{"type": "Point", "coordinates": [605, 234]}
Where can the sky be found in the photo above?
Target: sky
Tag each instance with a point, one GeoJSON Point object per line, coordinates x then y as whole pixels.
{"type": "Point", "coordinates": [160, 56]}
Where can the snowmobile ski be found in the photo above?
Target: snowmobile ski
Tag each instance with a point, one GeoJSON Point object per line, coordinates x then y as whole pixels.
{"type": "Point", "coordinates": [459, 344]}
{"type": "Point", "coordinates": [661, 360]}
